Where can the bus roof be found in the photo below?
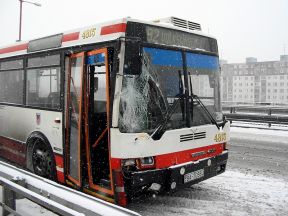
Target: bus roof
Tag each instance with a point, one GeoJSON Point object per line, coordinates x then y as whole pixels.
{"type": "Point", "coordinates": [91, 34]}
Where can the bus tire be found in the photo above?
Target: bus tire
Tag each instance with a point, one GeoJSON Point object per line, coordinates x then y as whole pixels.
{"type": "Point", "coordinates": [40, 157]}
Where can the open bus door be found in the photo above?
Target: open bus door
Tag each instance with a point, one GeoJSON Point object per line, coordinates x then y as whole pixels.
{"type": "Point", "coordinates": [74, 118]}
{"type": "Point", "coordinates": [97, 117]}
{"type": "Point", "coordinates": [92, 71]}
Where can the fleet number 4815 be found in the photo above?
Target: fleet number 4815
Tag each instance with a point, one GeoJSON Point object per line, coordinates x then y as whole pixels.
{"type": "Point", "coordinates": [220, 137]}
{"type": "Point", "coordinates": [89, 33]}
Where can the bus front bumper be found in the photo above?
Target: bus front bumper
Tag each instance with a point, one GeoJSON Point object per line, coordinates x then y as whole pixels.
{"type": "Point", "coordinates": [179, 176]}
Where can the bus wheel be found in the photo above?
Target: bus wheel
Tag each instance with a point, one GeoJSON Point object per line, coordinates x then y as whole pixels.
{"type": "Point", "coordinates": [43, 160]}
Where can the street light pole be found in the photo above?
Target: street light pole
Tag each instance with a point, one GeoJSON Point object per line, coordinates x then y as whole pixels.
{"type": "Point", "coordinates": [20, 17]}
{"type": "Point", "coordinates": [20, 22]}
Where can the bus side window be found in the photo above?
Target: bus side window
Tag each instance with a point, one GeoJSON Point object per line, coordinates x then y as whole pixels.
{"type": "Point", "coordinates": [11, 86]}
{"type": "Point", "coordinates": [43, 87]}
{"type": "Point", "coordinates": [43, 82]}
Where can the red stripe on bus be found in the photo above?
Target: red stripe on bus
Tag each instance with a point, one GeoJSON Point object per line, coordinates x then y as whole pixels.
{"type": "Point", "coordinates": [14, 48]}
{"type": "Point", "coordinates": [13, 150]}
{"type": "Point", "coordinates": [70, 37]}
{"type": "Point", "coordinates": [59, 163]}
{"type": "Point", "coordinates": [170, 159]}
{"type": "Point", "coordinates": [59, 160]}
{"type": "Point", "coordinates": [116, 28]}
{"type": "Point", "coordinates": [60, 177]}
{"type": "Point", "coordinates": [115, 163]}
{"type": "Point", "coordinates": [15, 145]}
{"type": "Point", "coordinates": [18, 159]}
{"type": "Point", "coordinates": [121, 196]}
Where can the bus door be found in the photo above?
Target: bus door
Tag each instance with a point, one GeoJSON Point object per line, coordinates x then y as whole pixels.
{"type": "Point", "coordinates": [74, 118]}
{"type": "Point", "coordinates": [97, 117]}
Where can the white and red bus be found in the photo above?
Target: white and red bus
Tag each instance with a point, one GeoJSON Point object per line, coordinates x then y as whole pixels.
{"type": "Point", "coordinates": [115, 109]}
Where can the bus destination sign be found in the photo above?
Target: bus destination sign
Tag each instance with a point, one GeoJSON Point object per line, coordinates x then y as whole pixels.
{"type": "Point", "coordinates": [177, 38]}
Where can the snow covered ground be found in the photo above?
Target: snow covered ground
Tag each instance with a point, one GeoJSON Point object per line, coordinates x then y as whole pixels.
{"type": "Point", "coordinates": [232, 193]}
{"type": "Point", "coordinates": [255, 183]}
{"type": "Point", "coordinates": [280, 134]}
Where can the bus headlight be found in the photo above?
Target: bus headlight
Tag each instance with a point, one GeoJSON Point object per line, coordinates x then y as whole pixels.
{"type": "Point", "coordinates": [145, 163]}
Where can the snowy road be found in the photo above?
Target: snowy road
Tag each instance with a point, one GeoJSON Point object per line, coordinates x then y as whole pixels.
{"type": "Point", "coordinates": [262, 152]}
{"type": "Point", "coordinates": [255, 183]}
{"type": "Point", "coordinates": [232, 193]}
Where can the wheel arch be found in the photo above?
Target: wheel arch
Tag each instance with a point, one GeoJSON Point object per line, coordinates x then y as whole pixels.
{"type": "Point", "coordinates": [29, 143]}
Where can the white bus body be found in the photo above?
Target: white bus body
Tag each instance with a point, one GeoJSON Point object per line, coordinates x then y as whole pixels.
{"type": "Point", "coordinates": [79, 106]}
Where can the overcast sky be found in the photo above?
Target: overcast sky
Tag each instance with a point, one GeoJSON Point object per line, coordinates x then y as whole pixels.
{"type": "Point", "coordinates": [257, 28]}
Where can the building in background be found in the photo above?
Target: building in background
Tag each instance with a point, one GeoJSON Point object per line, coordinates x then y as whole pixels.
{"type": "Point", "coordinates": [255, 82]}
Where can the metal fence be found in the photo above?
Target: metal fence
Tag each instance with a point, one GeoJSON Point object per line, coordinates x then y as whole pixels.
{"type": "Point", "coordinates": [259, 114]}
{"type": "Point", "coordinates": [17, 183]}
{"type": "Point", "coordinates": [13, 189]}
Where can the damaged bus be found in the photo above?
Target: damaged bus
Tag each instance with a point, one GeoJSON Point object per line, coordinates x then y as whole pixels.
{"type": "Point", "coordinates": [115, 109]}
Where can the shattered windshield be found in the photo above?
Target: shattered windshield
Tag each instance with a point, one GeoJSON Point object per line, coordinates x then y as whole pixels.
{"type": "Point", "coordinates": [146, 97]}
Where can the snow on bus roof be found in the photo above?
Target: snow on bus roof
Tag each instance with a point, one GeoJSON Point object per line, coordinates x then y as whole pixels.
{"type": "Point", "coordinates": [86, 35]}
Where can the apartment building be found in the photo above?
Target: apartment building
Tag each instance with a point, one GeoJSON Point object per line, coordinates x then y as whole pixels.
{"type": "Point", "coordinates": [255, 82]}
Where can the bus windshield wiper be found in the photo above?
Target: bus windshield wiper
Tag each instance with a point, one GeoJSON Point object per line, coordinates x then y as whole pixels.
{"type": "Point", "coordinates": [160, 129]}
{"type": "Point", "coordinates": [193, 96]}
{"type": "Point", "coordinates": [212, 119]}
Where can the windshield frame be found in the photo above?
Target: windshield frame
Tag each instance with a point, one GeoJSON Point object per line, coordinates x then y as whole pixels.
{"type": "Point", "coordinates": [186, 92]}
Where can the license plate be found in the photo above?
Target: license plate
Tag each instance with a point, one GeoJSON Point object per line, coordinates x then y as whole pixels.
{"type": "Point", "coordinates": [193, 175]}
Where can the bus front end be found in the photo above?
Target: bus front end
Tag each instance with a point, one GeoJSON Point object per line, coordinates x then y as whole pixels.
{"type": "Point", "coordinates": [170, 129]}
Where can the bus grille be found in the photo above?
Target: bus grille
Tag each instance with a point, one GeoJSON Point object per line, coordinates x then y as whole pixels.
{"type": "Point", "coordinates": [193, 136]}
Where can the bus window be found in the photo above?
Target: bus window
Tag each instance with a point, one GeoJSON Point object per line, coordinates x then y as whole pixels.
{"type": "Point", "coordinates": [11, 81]}
{"type": "Point", "coordinates": [11, 65]}
{"type": "Point", "coordinates": [43, 87]}
{"type": "Point", "coordinates": [100, 94]}
{"type": "Point", "coordinates": [74, 119]}
{"type": "Point", "coordinates": [11, 86]}
{"type": "Point", "coordinates": [204, 72]}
